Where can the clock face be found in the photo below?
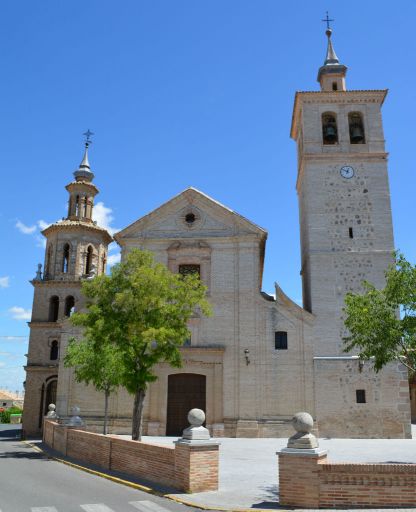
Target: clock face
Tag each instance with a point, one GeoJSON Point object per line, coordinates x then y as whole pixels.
{"type": "Point", "coordinates": [347, 171]}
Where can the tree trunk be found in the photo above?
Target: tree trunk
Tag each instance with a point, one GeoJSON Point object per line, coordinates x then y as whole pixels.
{"type": "Point", "coordinates": [106, 395]}
{"type": "Point", "coordinates": [136, 433]}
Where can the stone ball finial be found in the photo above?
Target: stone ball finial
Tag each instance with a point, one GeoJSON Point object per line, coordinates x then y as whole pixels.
{"type": "Point", "coordinates": [51, 407]}
{"type": "Point", "coordinates": [196, 417]}
{"type": "Point", "coordinates": [302, 422]}
{"type": "Point", "coordinates": [51, 412]}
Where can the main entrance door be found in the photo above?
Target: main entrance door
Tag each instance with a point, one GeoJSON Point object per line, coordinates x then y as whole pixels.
{"type": "Point", "coordinates": [186, 391]}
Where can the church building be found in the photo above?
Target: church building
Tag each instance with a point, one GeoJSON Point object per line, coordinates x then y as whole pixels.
{"type": "Point", "coordinates": [259, 359]}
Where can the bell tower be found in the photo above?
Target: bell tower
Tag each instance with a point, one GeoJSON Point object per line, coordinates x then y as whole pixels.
{"type": "Point", "coordinates": [346, 237]}
{"type": "Point", "coordinates": [344, 199]}
{"type": "Point", "coordinates": [76, 249]}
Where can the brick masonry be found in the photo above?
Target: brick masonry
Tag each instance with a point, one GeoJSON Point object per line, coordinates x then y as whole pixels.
{"type": "Point", "coordinates": [313, 482]}
{"type": "Point", "coordinates": [188, 467]}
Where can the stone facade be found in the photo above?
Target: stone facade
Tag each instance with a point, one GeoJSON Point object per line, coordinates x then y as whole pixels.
{"type": "Point", "coordinates": [260, 358]}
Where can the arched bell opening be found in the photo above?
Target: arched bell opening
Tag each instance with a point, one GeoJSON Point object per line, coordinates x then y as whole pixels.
{"type": "Point", "coordinates": [356, 128]}
{"type": "Point", "coordinates": [53, 308]}
{"type": "Point", "coordinates": [329, 128]}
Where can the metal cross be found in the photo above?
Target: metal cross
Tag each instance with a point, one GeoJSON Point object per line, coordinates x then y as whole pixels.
{"type": "Point", "coordinates": [87, 135]}
{"type": "Point", "coordinates": [327, 20]}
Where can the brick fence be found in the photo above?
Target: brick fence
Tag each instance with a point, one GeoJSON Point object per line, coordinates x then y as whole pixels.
{"type": "Point", "coordinates": [310, 481]}
{"type": "Point", "coordinates": [191, 467]}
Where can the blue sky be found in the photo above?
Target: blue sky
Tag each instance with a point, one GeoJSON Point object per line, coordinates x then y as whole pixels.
{"type": "Point", "coordinates": [180, 93]}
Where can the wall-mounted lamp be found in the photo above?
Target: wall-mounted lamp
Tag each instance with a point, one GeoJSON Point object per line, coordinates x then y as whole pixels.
{"type": "Point", "coordinates": [247, 356]}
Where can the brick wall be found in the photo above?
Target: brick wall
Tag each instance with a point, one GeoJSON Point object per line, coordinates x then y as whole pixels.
{"type": "Point", "coordinates": [188, 467]}
{"type": "Point", "coordinates": [313, 482]}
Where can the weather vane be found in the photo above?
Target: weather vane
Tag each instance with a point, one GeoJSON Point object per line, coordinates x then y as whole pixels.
{"type": "Point", "coordinates": [87, 135]}
{"type": "Point", "coordinates": [327, 20]}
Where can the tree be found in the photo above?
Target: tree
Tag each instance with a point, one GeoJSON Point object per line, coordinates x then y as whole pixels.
{"type": "Point", "coordinates": [382, 323]}
{"type": "Point", "coordinates": [95, 362]}
{"type": "Point", "coordinates": [141, 312]}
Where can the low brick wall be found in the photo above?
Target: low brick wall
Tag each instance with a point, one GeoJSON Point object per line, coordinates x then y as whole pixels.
{"type": "Point", "coordinates": [311, 481]}
{"type": "Point", "coordinates": [187, 466]}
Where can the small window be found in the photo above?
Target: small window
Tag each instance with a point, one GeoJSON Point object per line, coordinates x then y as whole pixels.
{"type": "Point", "coordinates": [360, 395]}
{"type": "Point", "coordinates": [334, 86]}
{"type": "Point", "coordinates": [356, 127]}
{"type": "Point", "coordinates": [189, 269]}
{"type": "Point", "coordinates": [53, 308]}
{"type": "Point", "coordinates": [65, 259]}
{"type": "Point", "coordinates": [187, 342]}
{"type": "Point", "coordinates": [280, 340]}
{"type": "Point", "coordinates": [350, 232]}
{"type": "Point", "coordinates": [54, 351]}
{"type": "Point", "coordinates": [88, 260]}
{"type": "Point", "coordinates": [4, 404]}
{"type": "Point", "coordinates": [190, 218]}
{"type": "Point", "coordinates": [69, 305]}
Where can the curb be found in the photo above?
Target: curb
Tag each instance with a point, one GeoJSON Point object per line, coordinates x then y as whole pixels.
{"type": "Point", "coordinates": [141, 487]}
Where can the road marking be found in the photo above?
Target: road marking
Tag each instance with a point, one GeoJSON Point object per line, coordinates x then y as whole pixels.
{"type": "Point", "coordinates": [148, 506]}
{"type": "Point", "coordinates": [96, 507]}
{"type": "Point", "coordinates": [43, 509]}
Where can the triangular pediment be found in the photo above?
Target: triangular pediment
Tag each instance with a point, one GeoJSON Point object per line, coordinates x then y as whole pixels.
{"type": "Point", "coordinates": [190, 214]}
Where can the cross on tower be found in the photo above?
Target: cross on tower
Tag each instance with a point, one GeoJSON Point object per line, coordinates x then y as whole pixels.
{"type": "Point", "coordinates": [327, 20]}
{"type": "Point", "coordinates": [87, 135]}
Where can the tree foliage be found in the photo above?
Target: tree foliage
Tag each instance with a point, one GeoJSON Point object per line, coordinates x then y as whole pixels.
{"type": "Point", "coordinates": [141, 312]}
{"type": "Point", "coordinates": [96, 362]}
{"type": "Point", "coordinates": [382, 323]}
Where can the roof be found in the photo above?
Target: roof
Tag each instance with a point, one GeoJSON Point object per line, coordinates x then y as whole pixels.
{"type": "Point", "coordinates": [76, 224]}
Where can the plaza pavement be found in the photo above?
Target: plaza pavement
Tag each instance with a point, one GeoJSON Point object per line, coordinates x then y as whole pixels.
{"type": "Point", "coordinates": [249, 470]}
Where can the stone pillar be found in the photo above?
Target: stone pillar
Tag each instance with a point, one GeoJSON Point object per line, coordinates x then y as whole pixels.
{"type": "Point", "coordinates": [196, 457]}
{"type": "Point", "coordinates": [299, 466]}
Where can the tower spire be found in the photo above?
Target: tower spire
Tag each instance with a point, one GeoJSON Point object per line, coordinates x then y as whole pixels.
{"type": "Point", "coordinates": [84, 173]}
{"type": "Point", "coordinates": [331, 75]}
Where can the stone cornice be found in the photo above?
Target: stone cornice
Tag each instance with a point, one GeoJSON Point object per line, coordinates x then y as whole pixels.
{"type": "Point", "coordinates": [39, 324]}
{"type": "Point", "coordinates": [72, 225]}
{"type": "Point", "coordinates": [328, 97]}
{"type": "Point", "coordinates": [73, 283]}
{"type": "Point", "coordinates": [35, 367]}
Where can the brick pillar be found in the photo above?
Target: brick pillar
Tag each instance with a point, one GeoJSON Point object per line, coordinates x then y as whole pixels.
{"type": "Point", "coordinates": [299, 477]}
{"type": "Point", "coordinates": [196, 465]}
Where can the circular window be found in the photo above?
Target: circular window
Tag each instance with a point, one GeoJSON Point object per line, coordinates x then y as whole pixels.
{"type": "Point", "coordinates": [190, 218]}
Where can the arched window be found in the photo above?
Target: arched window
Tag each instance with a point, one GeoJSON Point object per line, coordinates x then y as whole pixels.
{"type": "Point", "coordinates": [54, 351]}
{"type": "Point", "coordinates": [53, 308]}
{"type": "Point", "coordinates": [65, 259]}
{"type": "Point", "coordinates": [69, 305]}
{"type": "Point", "coordinates": [104, 263]}
{"type": "Point", "coordinates": [356, 126]}
{"type": "Point", "coordinates": [85, 206]}
{"type": "Point", "coordinates": [77, 206]}
{"type": "Point", "coordinates": [88, 260]}
{"type": "Point", "coordinates": [329, 128]}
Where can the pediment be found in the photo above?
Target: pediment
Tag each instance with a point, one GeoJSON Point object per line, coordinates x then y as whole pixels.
{"type": "Point", "coordinates": [190, 214]}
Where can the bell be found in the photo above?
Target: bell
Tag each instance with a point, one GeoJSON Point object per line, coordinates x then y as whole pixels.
{"type": "Point", "coordinates": [330, 133]}
{"type": "Point", "coordinates": [357, 134]}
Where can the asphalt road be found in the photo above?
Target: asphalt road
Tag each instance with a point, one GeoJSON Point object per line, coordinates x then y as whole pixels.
{"type": "Point", "coordinates": [30, 482]}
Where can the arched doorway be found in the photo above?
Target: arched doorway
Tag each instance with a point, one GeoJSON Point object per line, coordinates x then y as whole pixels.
{"type": "Point", "coordinates": [185, 392]}
{"type": "Point", "coordinates": [50, 395]}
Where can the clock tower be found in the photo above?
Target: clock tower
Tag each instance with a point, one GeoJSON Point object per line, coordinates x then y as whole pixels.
{"type": "Point", "coordinates": [344, 200]}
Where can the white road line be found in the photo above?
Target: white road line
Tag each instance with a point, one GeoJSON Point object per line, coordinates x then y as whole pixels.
{"type": "Point", "coordinates": [148, 506]}
{"type": "Point", "coordinates": [43, 509]}
{"type": "Point", "coordinates": [96, 507]}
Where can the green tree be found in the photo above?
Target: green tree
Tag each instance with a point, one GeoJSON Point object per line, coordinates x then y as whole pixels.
{"type": "Point", "coordinates": [141, 312]}
{"type": "Point", "coordinates": [382, 323]}
{"type": "Point", "coordinates": [96, 362]}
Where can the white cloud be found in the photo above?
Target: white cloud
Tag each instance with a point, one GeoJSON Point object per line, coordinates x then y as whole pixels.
{"type": "Point", "coordinates": [43, 224]}
{"type": "Point", "coordinates": [13, 338]}
{"type": "Point", "coordinates": [103, 216]}
{"type": "Point", "coordinates": [19, 313]}
{"type": "Point", "coordinates": [2, 364]}
{"type": "Point", "coordinates": [113, 259]}
{"type": "Point", "coordinates": [26, 230]}
{"type": "Point", "coordinates": [4, 282]}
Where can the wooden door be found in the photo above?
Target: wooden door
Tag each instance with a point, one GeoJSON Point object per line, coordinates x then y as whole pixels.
{"type": "Point", "coordinates": [186, 391]}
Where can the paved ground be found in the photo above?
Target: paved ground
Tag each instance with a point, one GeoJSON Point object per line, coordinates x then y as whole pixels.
{"type": "Point", "coordinates": [249, 472]}
{"type": "Point", "coordinates": [31, 482]}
